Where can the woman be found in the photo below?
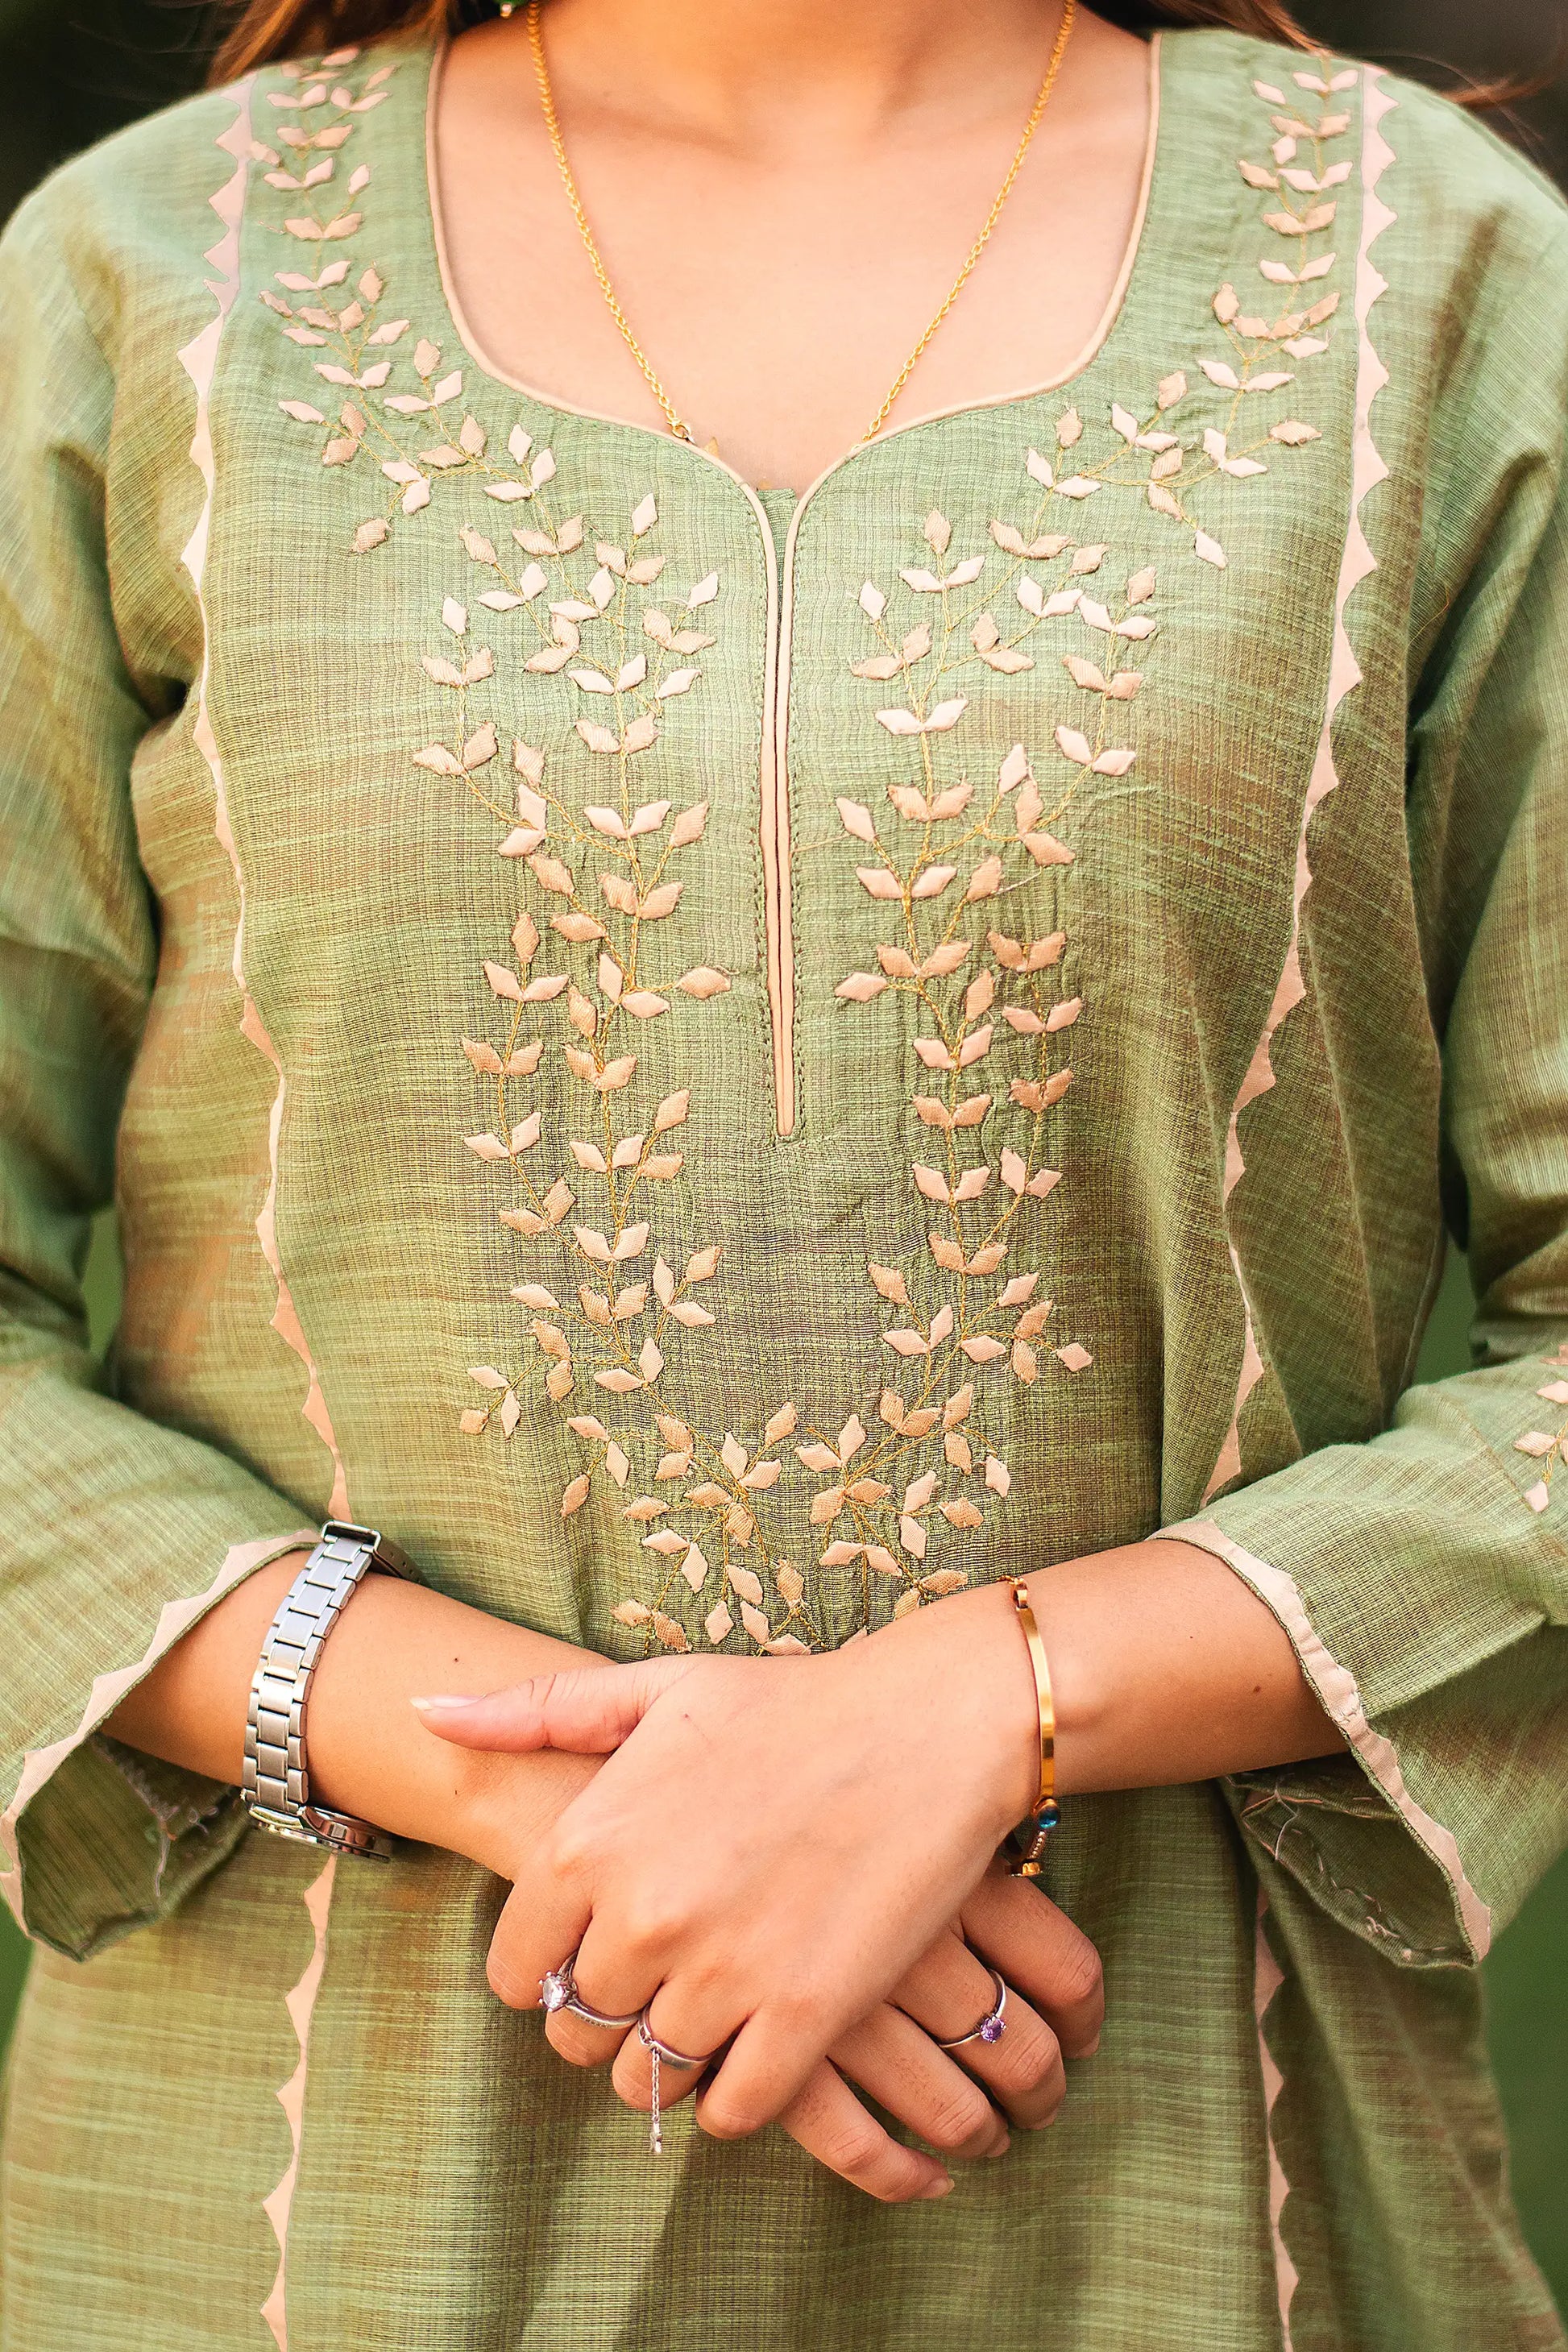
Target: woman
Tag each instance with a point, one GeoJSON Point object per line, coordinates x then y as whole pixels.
{"type": "Point", "coordinates": [729, 1065]}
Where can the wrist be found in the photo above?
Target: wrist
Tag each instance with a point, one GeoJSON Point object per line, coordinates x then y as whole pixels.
{"type": "Point", "coordinates": [503, 1805]}
{"type": "Point", "coordinates": [970, 1652]}
{"type": "Point", "coordinates": [370, 1755]}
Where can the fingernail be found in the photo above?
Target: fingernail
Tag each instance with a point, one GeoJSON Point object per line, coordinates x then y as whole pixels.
{"type": "Point", "coordinates": [441, 1699]}
{"type": "Point", "coordinates": [1002, 2147]}
{"type": "Point", "coordinates": [938, 2188]}
{"type": "Point", "coordinates": [1092, 2047]}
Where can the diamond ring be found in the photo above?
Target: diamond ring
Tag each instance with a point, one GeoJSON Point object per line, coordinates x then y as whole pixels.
{"type": "Point", "coordinates": [558, 1990]}
{"type": "Point", "coordinates": [992, 2026]}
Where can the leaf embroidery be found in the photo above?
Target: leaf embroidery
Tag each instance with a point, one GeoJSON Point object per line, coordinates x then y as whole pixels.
{"type": "Point", "coordinates": [602, 878]}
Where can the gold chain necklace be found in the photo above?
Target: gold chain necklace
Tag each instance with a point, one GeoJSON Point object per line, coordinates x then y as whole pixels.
{"type": "Point", "coordinates": [681, 430]}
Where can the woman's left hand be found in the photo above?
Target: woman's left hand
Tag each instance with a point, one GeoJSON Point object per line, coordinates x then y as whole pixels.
{"type": "Point", "coordinates": [772, 1843]}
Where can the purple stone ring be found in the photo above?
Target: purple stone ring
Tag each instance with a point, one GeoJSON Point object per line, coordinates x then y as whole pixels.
{"type": "Point", "coordinates": [992, 2026]}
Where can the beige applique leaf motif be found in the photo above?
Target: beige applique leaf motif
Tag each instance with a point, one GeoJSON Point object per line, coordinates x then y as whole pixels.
{"type": "Point", "coordinates": [744, 1583]}
{"type": "Point", "coordinates": [718, 1624]}
{"type": "Point", "coordinates": [694, 1567]}
{"type": "Point", "coordinates": [703, 980]}
{"type": "Point", "coordinates": [909, 722]}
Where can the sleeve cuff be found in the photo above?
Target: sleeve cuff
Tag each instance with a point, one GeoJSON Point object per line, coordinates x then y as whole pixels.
{"type": "Point", "coordinates": [99, 1839]}
{"type": "Point", "coordinates": [1361, 1844]}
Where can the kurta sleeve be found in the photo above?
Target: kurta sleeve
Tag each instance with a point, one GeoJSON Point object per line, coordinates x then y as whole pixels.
{"type": "Point", "coordinates": [115, 1534]}
{"type": "Point", "coordinates": [1423, 1575]}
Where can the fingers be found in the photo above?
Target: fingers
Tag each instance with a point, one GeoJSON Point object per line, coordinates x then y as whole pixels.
{"type": "Point", "coordinates": [946, 1994]}
{"type": "Point", "coordinates": [1038, 1950]}
{"type": "Point", "coordinates": [580, 2042]}
{"type": "Point", "coordinates": [541, 1924]}
{"type": "Point", "coordinates": [829, 2123]}
{"type": "Point", "coordinates": [589, 1711]}
{"type": "Point", "coordinates": [889, 2056]}
{"type": "Point", "coordinates": [684, 2021]}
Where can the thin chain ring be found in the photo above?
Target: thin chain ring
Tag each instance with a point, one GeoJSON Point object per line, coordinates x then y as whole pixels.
{"type": "Point", "coordinates": [676, 423]}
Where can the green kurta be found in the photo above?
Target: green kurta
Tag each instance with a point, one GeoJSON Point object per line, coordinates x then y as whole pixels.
{"type": "Point", "coordinates": [719, 1089]}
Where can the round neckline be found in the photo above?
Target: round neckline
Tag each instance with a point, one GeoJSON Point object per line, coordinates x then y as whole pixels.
{"type": "Point", "coordinates": [1113, 323]}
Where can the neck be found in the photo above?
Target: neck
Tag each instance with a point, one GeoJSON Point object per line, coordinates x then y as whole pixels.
{"type": "Point", "coordinates": [788, 73]}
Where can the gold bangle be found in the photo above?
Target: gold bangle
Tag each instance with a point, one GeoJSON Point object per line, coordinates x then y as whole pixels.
{"type": "Point", "coordinates": [1028, 1858]}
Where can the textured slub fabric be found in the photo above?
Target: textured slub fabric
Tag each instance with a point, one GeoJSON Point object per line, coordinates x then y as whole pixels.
{"type": "Point", "coordinates": [725, 1073]}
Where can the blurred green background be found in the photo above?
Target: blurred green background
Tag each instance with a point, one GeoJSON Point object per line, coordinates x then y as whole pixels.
{"type": "Point", "coordinates": [70, 73]}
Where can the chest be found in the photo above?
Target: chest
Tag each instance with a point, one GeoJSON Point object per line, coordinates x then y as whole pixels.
{"type": "Point", "coordinates": [890, 802]}
{"type": "Point", "coordinates": [775, 292]}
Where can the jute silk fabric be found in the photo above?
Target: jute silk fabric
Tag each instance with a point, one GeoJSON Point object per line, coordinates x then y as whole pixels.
{"type": "Point", "coordinates": [717, 1091]}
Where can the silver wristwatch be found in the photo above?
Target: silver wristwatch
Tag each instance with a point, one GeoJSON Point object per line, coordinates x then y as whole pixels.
{"type": "Point", "coordinates": [277, 1781]}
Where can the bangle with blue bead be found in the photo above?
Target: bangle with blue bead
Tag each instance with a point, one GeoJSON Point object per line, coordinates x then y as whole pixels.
{"type": "Point", "coordinates": [1027, 1859]}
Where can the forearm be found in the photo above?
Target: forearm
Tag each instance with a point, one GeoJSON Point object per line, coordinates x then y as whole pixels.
{"type": "Point", "coordinates": [369, 1752]}
{"type": "Point", "coordinates": [1167, 1668]}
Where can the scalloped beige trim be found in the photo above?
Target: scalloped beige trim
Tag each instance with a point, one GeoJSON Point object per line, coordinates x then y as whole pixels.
{"type": "Point", "coordinates": [1358, 562]}
{"type": "Point", "coordinates": [1267, 1978]}
{"type": "Point", "coordinates": [199, 360]}
{"type": "Point", "coordinates": [301, 2003]}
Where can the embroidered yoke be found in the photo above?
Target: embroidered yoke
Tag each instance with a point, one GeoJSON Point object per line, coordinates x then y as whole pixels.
{"type": "Point", "coordinates": [724, 1071]}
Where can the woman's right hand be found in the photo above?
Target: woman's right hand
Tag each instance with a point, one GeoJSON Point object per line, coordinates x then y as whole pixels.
{"type": "Point", "coordinates": [960, 2104]}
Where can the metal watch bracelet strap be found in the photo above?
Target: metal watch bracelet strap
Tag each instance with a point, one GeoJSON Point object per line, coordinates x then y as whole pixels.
{"type": "Point", "coordinates": [276, 1780]}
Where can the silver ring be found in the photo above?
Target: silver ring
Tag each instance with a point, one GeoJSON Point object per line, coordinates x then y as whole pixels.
{"type": "Point", "coordinates": [992, 2026]}
{"type": "Point", "coordinates": [651, 2041]}
{"type": "Point", "coordinates": [558, 1990]}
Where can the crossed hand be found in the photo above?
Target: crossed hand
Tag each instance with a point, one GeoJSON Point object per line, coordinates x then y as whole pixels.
{"type": "Point", "coordinates": [786, 1868]}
